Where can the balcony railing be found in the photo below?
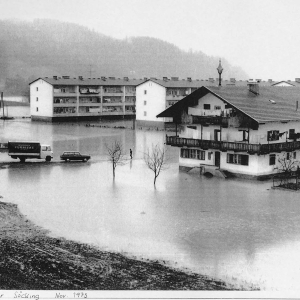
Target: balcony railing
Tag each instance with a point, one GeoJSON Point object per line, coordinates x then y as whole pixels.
{"type": "Point", "coordinates": [233, 146]}
{"type": "Point", "coordinates": [211, 120]}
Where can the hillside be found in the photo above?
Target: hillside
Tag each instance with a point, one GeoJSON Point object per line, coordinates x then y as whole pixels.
{"type": "Point", "coordinates": [46, 48]}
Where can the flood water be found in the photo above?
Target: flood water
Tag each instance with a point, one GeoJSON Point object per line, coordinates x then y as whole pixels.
{"type": "Point", "coordinates": [240, 231]}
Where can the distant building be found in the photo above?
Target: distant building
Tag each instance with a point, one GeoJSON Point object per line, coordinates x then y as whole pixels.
{"type": "Point", "coordinates": [237, 130]}
{"type": "Point", "coordinates": [65, 98]}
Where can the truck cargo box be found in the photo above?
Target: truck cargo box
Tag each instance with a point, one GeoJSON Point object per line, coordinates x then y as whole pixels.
{"type": "Point", "coordinates": [24, 147]}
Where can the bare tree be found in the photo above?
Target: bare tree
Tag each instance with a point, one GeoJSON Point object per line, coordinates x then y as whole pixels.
{"type": "Point", "coordinates": [155, 160]}
{"type": "Point", "coordinates": [115, 155]}
{"type": "Point", "coordinates": [287, 166]}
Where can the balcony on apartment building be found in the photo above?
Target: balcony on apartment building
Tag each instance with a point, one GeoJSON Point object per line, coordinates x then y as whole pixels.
{"type": "Point", "coordinates": [232, 146]}
{"type": "Point", "coordinates": [64, 91]}
{"type": "Point", "coordinates": [64, 101]}
{"type": "Point", "coordinates": [89, 101]}
{"type": "Point", "coordinates": [112, 91]}
{"type": "Point", "coordinates": [89, 91]}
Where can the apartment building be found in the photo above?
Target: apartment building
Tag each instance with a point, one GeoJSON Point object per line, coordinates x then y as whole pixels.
{"type": "Point", "coordinates": [242, 131]}
{"type": "Point", "coordinates": [65, 98]}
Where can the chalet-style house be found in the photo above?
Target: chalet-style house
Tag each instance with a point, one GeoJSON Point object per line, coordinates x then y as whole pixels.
{"type": "Point", "coordinates": [241, 131]}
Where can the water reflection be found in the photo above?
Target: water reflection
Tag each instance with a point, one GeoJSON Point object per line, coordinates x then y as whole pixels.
{"type": "Point", "coordinates": [231, 229]}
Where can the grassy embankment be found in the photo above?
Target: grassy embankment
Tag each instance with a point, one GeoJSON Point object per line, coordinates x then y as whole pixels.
{"type": "Point", "coordinates": [30, 259]}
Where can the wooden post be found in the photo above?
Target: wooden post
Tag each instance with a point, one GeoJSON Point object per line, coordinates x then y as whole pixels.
{"type": "Point", "coordinates": [2, 101]}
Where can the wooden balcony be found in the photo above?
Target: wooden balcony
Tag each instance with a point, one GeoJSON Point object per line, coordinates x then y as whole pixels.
{"type": "Point", "coordinates": [232, 146]}
{"type": "Point", "coordinates": [211, 120]}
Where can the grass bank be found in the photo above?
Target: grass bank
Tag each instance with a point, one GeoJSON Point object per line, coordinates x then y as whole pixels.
{"type": "Point", "coordinates": [32, 260]}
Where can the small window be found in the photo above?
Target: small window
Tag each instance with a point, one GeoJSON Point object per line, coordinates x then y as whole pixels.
{"type": "Point", "coordinates": [37, 109]}
{"type": "Point", "coordinates": [145, 113]}
{"type": "Point", "coordinates": [272, 160]}
{"type": "Point", "coordinates": [193, 154]}
{"type": "Point", "coordinates": [238, 159]}
{"type": "Point", "coordinates": [37, 89]}
{"type": "Point", "coordinates": [206, 106]}
{"type": "Point", "coordinates": [37, 99]}
{"type": "Point", "coordinates": [273, 135]}
{"type": "Point", "coordinates": [217, 107]}
{"type": "Point", "coordinates": [145, 102]}
{"type": "Point", "coordinates": [288, 156]}
{"type": "Point", "coordinates": [291, 133]}
{"type": "Point", "coordinates": [295, 155]}
{"type": "Point", "coordinates": [209, 156]}
{"type": "Point", "coordinates": [145, 92]}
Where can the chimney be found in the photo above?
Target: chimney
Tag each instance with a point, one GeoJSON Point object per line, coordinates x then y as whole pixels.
{"type": "Point", "coordinates": [145, 78]}
{"type": "Point", "coordinates": [258, 80]}
{"type": "Point", "coordinates": [189, 79]}
{"type": "Point", "coordinates": [165, 78]}
{"type": "Point", "coordinates": [232, 80]}
{"type": "Point", "coordinates": [270, 80]}
{"type": "Point", "coordinates": [80, 77]}
{"type": "Point", "coordinates": [112, 78]}
{"type": "Point", "coordinates": [103, 78]}
{"type": "Point", "coordinates": [211, 79]}
{"type": "Point", "coordinates": [55, 77]}
{"type": "Point", "coordinates": [66, 77]}
{"type": "Point", "coordinates": [174, 78]}
{"type": "Point", "coordinates": [297, 80]}
{"type": "Point", "coordinates": [253, 86]}
{"type": "Point", "coordinates": [126, 78]}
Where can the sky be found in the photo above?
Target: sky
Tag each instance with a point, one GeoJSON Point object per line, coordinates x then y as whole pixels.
{"type": "Point", "coordinates": [260, 36]}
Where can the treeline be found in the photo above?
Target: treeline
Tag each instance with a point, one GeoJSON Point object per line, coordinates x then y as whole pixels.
{"type": "Point", "coordinates": [45, 48]}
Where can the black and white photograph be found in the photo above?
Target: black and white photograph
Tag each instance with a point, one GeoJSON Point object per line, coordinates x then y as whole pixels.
{"type": "Point", "coordinates": [149, 149]}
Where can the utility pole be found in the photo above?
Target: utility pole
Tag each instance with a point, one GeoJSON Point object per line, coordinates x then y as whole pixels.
{"type": "Point", "coordinates": [2, 101]}
{"type": "Point", "coordinates": [91, 71]}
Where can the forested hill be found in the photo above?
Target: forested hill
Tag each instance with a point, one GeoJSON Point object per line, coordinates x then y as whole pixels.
{"type": "Point", "coordinates": [45, 48]}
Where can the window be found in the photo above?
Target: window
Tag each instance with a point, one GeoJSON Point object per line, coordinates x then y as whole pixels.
{"type": "Point", "coordinates": [273, 135]}
{"type": "Point", "coordinates": [272, 159]}
{"type": "Point", "coordinates": [37, 89]}
{"type": "Point", "coordinates": [37, 99]}
{"type": "Point", "coordinates": [238, 159]}
{"type": "Point", "coordinates": [295, 155]}
{"type": "Point", "coordinates": [145, 102]}
{"type": "Point", "coordinates": [37, 109]}
{"type": "Point", "coordinates": [288, 156]}
{"type": "Point", "coordinates": [193, 154]}
{"type": "Point", "coordinates": [291, 133]}
{"type": "Point", "coordinates": [145, 113]}
{"type": "Point", "coordinates": [209, 155]}
{"type": "Point", "coordinates": [206, 106]}
{"type": "Point", "coordinates": [217, 107]}
{"type": "Point", "coordinates": [145, 92]}
{"type": "Point", "coordinates": [217, 135]}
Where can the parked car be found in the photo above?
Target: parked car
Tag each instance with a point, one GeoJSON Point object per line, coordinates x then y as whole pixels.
{"type": "Point", "coordinates": [74, 155]}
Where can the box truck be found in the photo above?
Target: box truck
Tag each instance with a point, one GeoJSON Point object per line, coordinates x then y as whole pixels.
{"type": "Point", "coordinates": [25, 150]}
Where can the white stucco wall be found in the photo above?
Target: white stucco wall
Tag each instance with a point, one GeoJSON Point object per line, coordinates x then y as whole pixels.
{"type": "Point", "coordinates": [155, 101]}
{"type": "Point", "coordinates": [44, 94]}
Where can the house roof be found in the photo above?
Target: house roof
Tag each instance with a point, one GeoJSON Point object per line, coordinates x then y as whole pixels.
{"type": "Point", "coordinates": [90, 81]}
{"type": "Point", "coordinates": [282, 106]}
{"type": "Point", "coordinates": [287, 82]}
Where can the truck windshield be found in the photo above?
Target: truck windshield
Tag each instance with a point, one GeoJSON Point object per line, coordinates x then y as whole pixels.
{"type": "Point", "coordinates": [46, 148]}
